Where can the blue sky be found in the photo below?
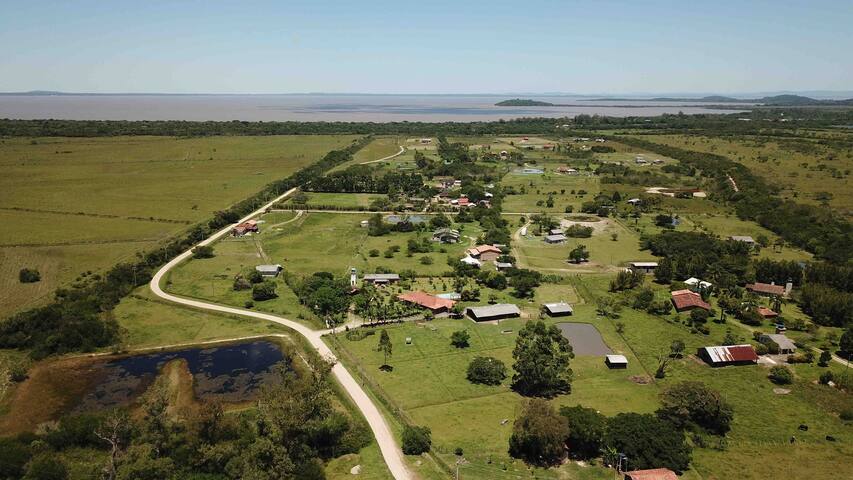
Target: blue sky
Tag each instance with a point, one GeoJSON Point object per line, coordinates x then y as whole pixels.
{"type": "Point", "coordinates": [463, 46]}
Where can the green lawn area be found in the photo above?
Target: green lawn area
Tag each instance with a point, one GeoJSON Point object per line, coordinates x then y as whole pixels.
{"type": "Point", "coordinates": [353, 200]}
{"type": "Point", "coordinates": [537, 187]}
{"type": "Point", "coordinates": [89, 203]}
{"type": "Point", "coordinates": [605, 253]}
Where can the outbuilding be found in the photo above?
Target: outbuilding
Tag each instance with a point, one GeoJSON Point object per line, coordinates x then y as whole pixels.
{"type": "Point", "coordinates": [469, 260]}
{"type": "Point", "coordinates": [485, 253]}
{"type": "Point", "coordinates": [685, 300]}
{"type": "Point", "coordinates": [446, 235]}
{"type": "Point", "coordinates": [767, 289]}
{"type": "Point", "coordinates": [721, 356]}
{"type": "Point", "coordinates": [381, 278]}
{"type": "Point", "coordinates": [616, 361]}
{"type": "Point", "coordinates": [744, 239]}
{"type": "Point", "coordinates": [645, 267]}
{"type": "Point", "coordinates": [493, 312]}
{"type": "Point", "coordinates": [269, 270]}
{"type": "Point", "coordinates": [786, 346]}
{"type": "Point", "coordinates": [558, 309]}
{"type": "Point", "coordinates": [554, 239]}
{"type": "Point", "coordinates": [651, 474]}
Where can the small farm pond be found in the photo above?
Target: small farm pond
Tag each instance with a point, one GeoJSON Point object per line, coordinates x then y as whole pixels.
{"type": "Point", "coordinates": [225, 373]}
{"type": "Point", "coordinates": [585, 339]}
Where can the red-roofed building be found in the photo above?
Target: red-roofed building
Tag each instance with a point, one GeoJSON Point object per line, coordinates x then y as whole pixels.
{"type": "Point", "coordinates": [463, 201]}
{"type": "Point", "coordinates": [430, 302]}
{"type": "Point", "coordinates": [485, 253]}
{"type": "Point", "coordinates": [243, 228]}
{"type": "Point", "coordinates": [653, 474]}
{"type": "Point", "coordinates": [721, 356]}
{"type": "Point", "coordinates": [767, 313]}
{"type": "Point", "coordinates": [766, 288]}
{"type": "Point", "coordinates": [685, 300]}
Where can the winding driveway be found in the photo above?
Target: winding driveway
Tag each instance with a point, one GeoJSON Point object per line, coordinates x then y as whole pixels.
{"type": "Point", "coordinates": [389, 157]}
{"type": "Point", "coordinates": [387, 444]}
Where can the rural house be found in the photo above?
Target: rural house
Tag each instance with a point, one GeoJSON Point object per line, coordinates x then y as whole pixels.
{"type": "Point", "coordinates": [430, 302]}
{"type": "Point", "coordinates": [685, 300]}
{"type": "Point", "coordinates": [743, 238]}
{"type": "Point", "coordinates": [485, 253]}
{"type": "Point", "coordinates": [786, 346]}
{"type": "Point", "coordinates": [652, 474]}
{"type": "Point", "coordinates": [241, 229]}
{"type": "Point", "coordinates": [381, 278]}
{"type": "Point", "coordinates": [269, 270]}
{"type": "Point", "coordinates": [645, 267]}
{"type": "Point", "coordinates": [766, 313]}
{"type": "Point", "coordinates": [558, 309]}
{"type": "Point", "coordinates": [493, 312]}
{"type": "Point", "coordinates": [721, 356]}
{"type": "Point", "coordinates": [445, 235]}
{"type": "Point", "coordinates": [767, 289]}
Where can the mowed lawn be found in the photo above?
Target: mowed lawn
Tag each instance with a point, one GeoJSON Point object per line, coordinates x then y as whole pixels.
{"type": "Point", "coordinates": [428, 382]}
{"type": "Point", "coordinates": [89, 203]}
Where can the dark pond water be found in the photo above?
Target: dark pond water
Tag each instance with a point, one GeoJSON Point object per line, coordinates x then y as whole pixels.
{"type": "Point", "coordinates": [226, 373]}
{"type": "Point", "coordinates": [585, 339]}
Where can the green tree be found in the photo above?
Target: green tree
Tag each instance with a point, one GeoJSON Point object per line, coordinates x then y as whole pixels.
{"type": "Point", "coordinates": [825, 358]}
{"type": "Point", "coordinates": [648, 442]}
{"type": "Point", "coordinates": [416, 440]}
{"type": "Point", "coordinates": [781, 375]}
{"type": "Point", "coordinates": [486, 370]}
{"type": "Point", "coordinates": [203, 251]}
{"type": "Point", "coordinates": [586, 431]}
{"type": "Point", "coordinates": [384, 346]}
{"type": "Point", "coordinates": [29, 275]}
{"type": "Point", "coordinates": [264, 291]}
{"type": "Point", "coordinates": [663, 272]}
{"type": "Point", "coordinates": [845, 344]}
{"type": "Point", "coordinates": [676, 349]}
{"type": "Point", "coordinates": [579, 254]}
{"type": "Point", "coordinates": [542, 356]}
{"type": "Point", "coordinates": [460, 338]}
{"type": "Point", "coordinates": [694, 402]}
{"type": "Point", "coordinates": [539, 434]}
{"type": "Point", "coordinates": [46, 466]}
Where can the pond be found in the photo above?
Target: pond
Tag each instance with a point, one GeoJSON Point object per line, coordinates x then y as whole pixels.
{"type": "Point", "coordinates": [585, 339]}
{"type": "Point", "coordinates": [225, 373]}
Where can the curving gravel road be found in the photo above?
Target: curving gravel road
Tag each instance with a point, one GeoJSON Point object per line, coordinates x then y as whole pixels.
{"type": "Point", "coordinates": [387, 444]}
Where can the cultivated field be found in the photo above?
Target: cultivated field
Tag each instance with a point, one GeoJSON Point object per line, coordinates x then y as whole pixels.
{"type": "Point", "coordinates": [89, 203]}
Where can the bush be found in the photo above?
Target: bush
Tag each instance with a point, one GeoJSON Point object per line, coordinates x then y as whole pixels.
{"type": "Point", "coordinates": [46, 466]}
{"type": "Point", "coordinates": [847, 415]}
{"type": "Point", "coordinates": [761, 349]}
{"type": "Point", "coordinates": [579, 231]}
{"type": "Point", "coordinates": [486, 370]}
{"type": "Point", "coordinates": [460, 338]}
{"type": "Point", "coordinates": [781, 375]}
{"type": "Point", "coordinates": [241, 283]}
{"type": "Point", "coordinates": [586, 431]}
{"type": "Point", "coordinates": [694, 403]}
{"type": "Point", "coordinates": [29, 275]}
{"type": "Point", "coordinates": [539, 434]}
{"type": "Point", "coordinates": [416, 440]}
{"type": "Point", "coordinates": [374, 252]}
{"type": "Point", "coordinates": [264, 291]}
{"type": "Point", "coordinates": [203, 251]}
{"type": "Point", "coordinates": [426, 260]}
{"type": "Point", "coordinates": [826, 377]}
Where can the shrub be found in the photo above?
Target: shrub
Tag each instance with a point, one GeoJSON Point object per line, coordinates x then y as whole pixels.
{"type": "Point", "coordinates": [374, 252]}
{"type": "Point", "coordinates": [693, 402]}
{"type": "Point", "coordinates": [426, 260]}
{"type": "Point", "coordinates": [761, 349]}
{"type": "Point", "coordinates": [460, 338]}
{"type": "Point", "coordinates": [416, 440]}
{"type": "Point", "coordinates": [46, 466]}
{"type": "Point", "coordinates": [539, 434]}
{"type": "Point", "coordinates": [781, 375]}
{"type": "Point", "coordinates": [264, 291]}
{"type": "Point", "coordinates": [29, 275]}
{"type": "Point", "coordinates": [579, 231]}
{"type": "Point", "coordinates": [241, 283]}
{"type": "Point", "coordinates": [826, 377]}
{"type": "Point", "coordinates": [648, 441]}
{"type": "Point", "coordinates": [847, 415]}
{"type": "Point", "coordinates": [586, 431]}
{"type": "Point", "coordinates": [486, 370]}
{"type": "Point", "coordinates": [203, 251]}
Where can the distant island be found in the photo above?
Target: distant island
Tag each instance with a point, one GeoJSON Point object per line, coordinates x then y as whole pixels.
{"type": "Point", "coordinates": [519, 102]}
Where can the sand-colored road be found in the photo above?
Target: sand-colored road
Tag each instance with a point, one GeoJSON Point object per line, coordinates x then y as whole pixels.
{"type": "Point", "coordinates": [391, 452]}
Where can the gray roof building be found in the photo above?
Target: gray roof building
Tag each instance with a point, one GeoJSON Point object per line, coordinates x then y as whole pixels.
{"type": "Point", "coordinates": [743, 238]}
{"type": "Point", "coordinates": [269, 270]}
{"type": "Point", "coordinates": [785, 343]}
{"type": "Point", "coordinates": [381, 277]}
{"type": "Point", "coordinates": [493, 312]}
{"type": "Point", "coordinates": [557, 309]}
{"type": "Point", "coordinates": [560, 238]}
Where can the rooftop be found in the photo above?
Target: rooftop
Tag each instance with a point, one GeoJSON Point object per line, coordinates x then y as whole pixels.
{"type": "Point", "coordinates": [766, 288]}
{"type": "Point", "coordinates": [381, 276]}
{"type": "Point", "coordinates": [644, 264]}
{"type": "Point", "coordinates": [616, 359]}
{"type": "Point", "coordinates": [687, 299]}
{"type": "Point", "coordinates": [558, 307]}
{"type": "Point", "coordinates": [652, 474]}
{"type": "Point", "coordinates": [498, 310]}
{"type": "Point", "coordinates": [742, 238]}
{"type": "Point", "coordinates": [556, 238]}
{"type": "Point", "coordinates": [731, 353]}
{"type": "Point", "coordinates": [426, 300]}
{"type": "Point", "coordinates": [784, 342]}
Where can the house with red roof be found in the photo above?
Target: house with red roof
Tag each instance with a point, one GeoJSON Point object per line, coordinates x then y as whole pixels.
{"type": "Point", "coordinates": [430, 302]}
{"type": "Point", "coordinates": [652, 474]}
{"type": "Point", "coordinates": [484, 253]}
{"type": "Point", "coordinates": [243, 228]}
{"type": "Point", "coordinates": [766, 312]}
{"type": "Point", "coordinates": [769, 289]}
{"type": "Point", "coordinates": [685, 300]}
{"type": "Point", "coordinates": [721, 356]}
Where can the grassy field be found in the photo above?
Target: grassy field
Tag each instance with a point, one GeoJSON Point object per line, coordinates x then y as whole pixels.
{"type": "Point", "coordinates": [352, 200]}
{"type": "Point", "coordinates": [801, 166]}
{"type": "Point", "coordinates": [537, 187]}
{"type": "Point", "coordinates": [89, 203]}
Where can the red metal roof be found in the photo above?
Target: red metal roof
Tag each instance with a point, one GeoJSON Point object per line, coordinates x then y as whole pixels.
{"type": "Point", "coordinates": [732, 353]}
{"type": "Point", "coordinates": [426, 300]}
{"type": "Point", "coordinates": [653, 474]}
{"type": "Point", "coordinates": [477, 251]}
{"type": "Point", "coordinates": [684, 299]}
{"type": "Point", "coordinates": [766, 288]}
{"type": "Point", "coordinates": [766, 312]}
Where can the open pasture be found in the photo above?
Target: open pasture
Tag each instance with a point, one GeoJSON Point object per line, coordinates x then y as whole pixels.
{"type": "Point", "coordinates": [89, 203]}
{"type": "Point", "coordinates": [533, 189]}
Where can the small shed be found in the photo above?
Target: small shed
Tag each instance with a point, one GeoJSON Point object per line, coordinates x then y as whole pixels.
{"type": "Point", "coordinates": [269, 270]}
{"type": "Point", "coordinates": [554, 239]}
{"type": "Point", "coordinates": [743, 238]}
{"type": "Point", "coordinates": [469, 260]}
{"type": "Point", "coordinates": [446, 235]}
{"type": "Point", "coordinates": [503, 265]}
{"type": "Point", "coordinates": [616, 361]}
{"type": "Point", "coordinates": [493, 312]}
{"type": "Point", "coordinates": [555, 231]}
{"type": "Point", "coordinates": [645, 267]}
{"type": "Point", "coordinates": [558, 309]}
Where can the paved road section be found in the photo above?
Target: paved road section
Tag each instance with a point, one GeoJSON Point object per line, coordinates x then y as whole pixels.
{"type": "Point", "coordinates": [391, 452]}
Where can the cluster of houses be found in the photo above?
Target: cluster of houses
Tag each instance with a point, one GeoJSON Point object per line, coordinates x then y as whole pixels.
{"type": "Point", "coordinates": [249, 226]}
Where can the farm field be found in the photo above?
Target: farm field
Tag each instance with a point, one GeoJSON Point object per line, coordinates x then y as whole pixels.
{"type": "Point", "coordinates": [354, 200]}
{"type": "Point", "coordinates": [803, 166]}
{"type": "Point", "coordinates": [92, 202]}
{"type": "Point", "coordinates": [532, 189]}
